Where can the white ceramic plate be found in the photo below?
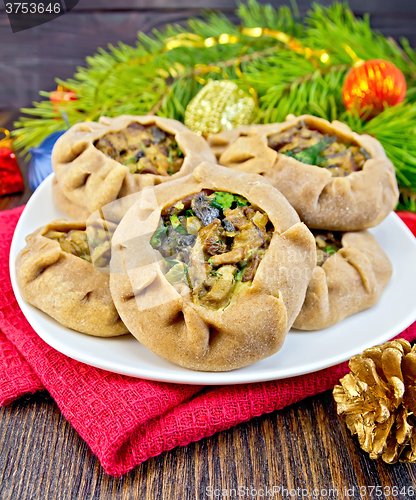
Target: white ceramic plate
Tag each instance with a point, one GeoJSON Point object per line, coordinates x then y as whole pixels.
{"type": "Point", "coordinates": [303, 352]}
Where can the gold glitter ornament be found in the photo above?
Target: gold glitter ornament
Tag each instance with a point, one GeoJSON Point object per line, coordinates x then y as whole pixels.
{"type": "Point", "coordinates": [219, 105]}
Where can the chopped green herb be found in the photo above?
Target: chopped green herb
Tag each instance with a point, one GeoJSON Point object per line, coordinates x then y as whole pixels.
{"type": "Point", "coordinates": [94, 241]}
{"type": "Point", "coordinates": [190, 213]}
{"type": "Point", "coordinates": [241, 201]}
{"type": "Point", "coordinates": [178, 150]}
{"type": "Point", "coordinates": [215, 273]}
{"type": "Point", "coordinates": [330, 249]}
{"type": "Point", "coordinates": [130, 160]}
{"type": "Point", "coordinates": [172, 262]}
{"type": "Point", "coordinates": [176, 224]}
{"type": "Point", "coordinates": [222, 200]}
{"type": "Point", "coordinates": [225, 200]}
{"type": "Point", "coordinates": [158, 235]}
{"type": "Point", "coordinates": [311, 156]}
{"type": "Point", "coordinates": [239, 274]}
{"type": "Point", "coordinates": [174, 219]}
{"type": "Point", "coordinates": [170, 157]}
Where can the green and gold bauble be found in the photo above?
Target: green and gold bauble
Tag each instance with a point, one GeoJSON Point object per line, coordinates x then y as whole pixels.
{"type": "Point", "coordinates": [219, 105]}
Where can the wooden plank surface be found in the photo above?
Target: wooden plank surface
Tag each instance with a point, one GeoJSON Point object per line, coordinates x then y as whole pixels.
{"type": "Point", "coordinates": [29, 62]}
{"type": "Point", "coordinates": [304, 449]}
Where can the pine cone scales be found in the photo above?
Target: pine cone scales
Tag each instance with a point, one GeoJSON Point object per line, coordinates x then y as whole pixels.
{"type": "Point", "coordinates": [378, 399]}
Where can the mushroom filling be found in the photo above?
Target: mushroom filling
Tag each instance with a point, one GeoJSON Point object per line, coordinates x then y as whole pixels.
{"type": "Point", "coordinates": [143, 149]}
{"type": "Point", "coordinates": [312, 147]}
{"type": "Point", "coordinates": [327, 244]}
{"type": "Point", "coordinates": [92, 244]}
{"type": "Point", "coordinates": [212, 241]}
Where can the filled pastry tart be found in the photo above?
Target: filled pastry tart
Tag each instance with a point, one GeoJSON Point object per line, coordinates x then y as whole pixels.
{"type": "Point", "coordinates": [209, 271]}
{"type": "Point", "coordinates": [97, 163]}
{"type": "Point", "coordinates": [334, 178]}
{"type": "Point", "coordinates": [221, 141]}
{"type": "Point", "coordinates": [351, 273]}
{"type": "Point", "coordinates": [68, 207]}
{"type": "Point", "coordinates": [64, 272]}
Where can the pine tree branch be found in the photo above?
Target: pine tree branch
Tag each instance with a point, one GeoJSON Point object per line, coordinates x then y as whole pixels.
{"type": "Point", "coordinates": [147, 78]}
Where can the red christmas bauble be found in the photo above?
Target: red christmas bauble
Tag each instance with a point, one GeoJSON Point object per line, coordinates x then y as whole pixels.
{"type": "Point", "coordinates": [62, 95]}
{"type": "Point", "coordinates": [11, 180]}
{"type": "Point", "coordinates": [60, 99]}
{"type": "Point", "coordinates": [372, 86]}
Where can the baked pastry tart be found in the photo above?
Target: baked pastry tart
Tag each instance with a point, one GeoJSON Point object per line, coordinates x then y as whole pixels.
{"type": "Point", "coordinates": [64, 272]}
{"type": "Point", "coordinates": [334, 178]}
{"type": "Point", "coordinates": [209, 271]}
{"type": "Point", "coordinates": [221, 141]}
{"type": "Point", "coordinates": [97, 163]}
{"type": "Point", "coordinates": [67, 206]}
{"type": "Point", "coordinates": [351, 273]}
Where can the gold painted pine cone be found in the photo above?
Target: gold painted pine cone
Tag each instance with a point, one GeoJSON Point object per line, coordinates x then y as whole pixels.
{"type": "Point", "coordinates": [378, 399]}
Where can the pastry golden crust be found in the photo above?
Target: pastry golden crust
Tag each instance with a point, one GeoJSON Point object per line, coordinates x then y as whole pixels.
{"type": "Point", "coordinates": [67, 206]}
{"type": "Point", "coordinates": [221, 141]}
{"type": "Point", "coordinates": [360, 200]}
{"type": "Point", "coordinates": [349, 281]}
{"type": "Point", "coordinates": [91, 179]}
{"type": "Point", "coordinates": [66, 287]}
{"type": "Point", "coordinates": [169, 321]}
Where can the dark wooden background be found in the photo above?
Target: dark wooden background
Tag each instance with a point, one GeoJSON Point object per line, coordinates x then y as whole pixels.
{"type": "Point", "coordinates": [304, 446]}
{"type": "Point", "coordinates": [30, 60]}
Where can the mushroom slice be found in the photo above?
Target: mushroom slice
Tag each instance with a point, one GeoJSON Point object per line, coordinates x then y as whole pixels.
{"type": "Point", "coordinates": [220, 293]}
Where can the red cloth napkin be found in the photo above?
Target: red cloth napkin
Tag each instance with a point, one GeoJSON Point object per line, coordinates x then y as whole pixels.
{"type": "Point", "coordinates": [127, 420]}
{"type": "Point", "coordinates": [409, 218]}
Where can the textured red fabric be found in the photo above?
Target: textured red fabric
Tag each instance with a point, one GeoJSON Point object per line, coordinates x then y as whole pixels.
{"type": "Point", "coordinates": [16, 375]}
{"type": "Point", "coordinates": [409, 218]}
{"type": "Point", "coordinates": [126, 420]}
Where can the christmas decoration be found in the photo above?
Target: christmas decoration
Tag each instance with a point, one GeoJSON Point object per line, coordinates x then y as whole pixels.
{"type": "Point", "coordinates": [218, 106]}
{"type": "Point", "coordinates": [11, 180]}
{"type": "Point", "coordinates": [60, 99]}
{"type": "Point", "coordinates": [409, 219]}
{"type": "Point", "coordinates": [372, 86]}
{"type": "Point", "coordinates": [293, 66]}
{"type": "Point", "coordinates": [60, 96]}
{"type": "Point", "coordinates": [40, 164]}
{"type": "Point", "coordinates": [378, 399]}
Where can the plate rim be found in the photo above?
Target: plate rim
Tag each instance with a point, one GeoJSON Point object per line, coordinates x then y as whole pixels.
{"type": "Point", "coordinates": [234, 377]}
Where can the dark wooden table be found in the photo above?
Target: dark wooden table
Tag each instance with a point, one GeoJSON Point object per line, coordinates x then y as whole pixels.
{"type": "Point", "coordinates": [305, 449]}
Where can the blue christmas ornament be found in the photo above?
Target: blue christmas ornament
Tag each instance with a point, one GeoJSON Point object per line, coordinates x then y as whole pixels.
{"type": "Point", "coordinates": [40, 164]}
